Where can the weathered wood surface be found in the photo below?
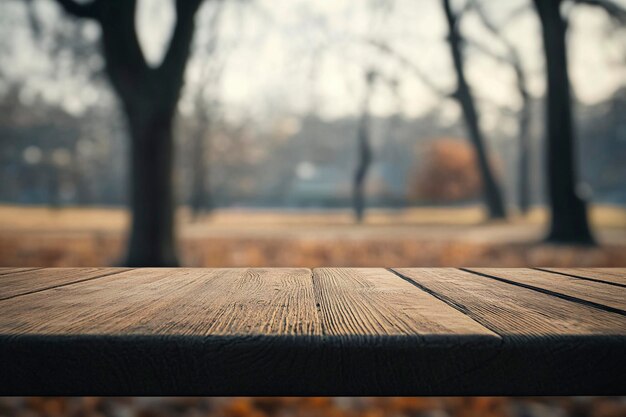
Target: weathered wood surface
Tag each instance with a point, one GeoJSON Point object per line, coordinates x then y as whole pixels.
{"type": "Point", "coordinates": [29, 280]}
{"type": "Point", "coordinates": [374, 302]}
{"type": "Point", "coordinates": [333, 331]}
{"type": "Point", "coordinates": [615, 276]}
{"type": "Point", "coordinates": [601, 294]}
{"type": "Point", "coordinates": [5, 270]}
{"type": "Point", "coordinates": [511, 311]}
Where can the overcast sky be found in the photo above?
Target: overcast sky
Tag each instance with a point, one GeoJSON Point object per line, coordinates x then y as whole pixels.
{"type": "Point", "coordinates": [290, 57]}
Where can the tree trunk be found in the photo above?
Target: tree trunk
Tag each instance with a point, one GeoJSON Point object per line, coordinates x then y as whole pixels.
{"type": "Point", "coordinates": [491, 189]}
{"type": "Point", "coordinates": [200, 193]}
{"type": "Point", "coordinates": [151, 191]}
{"type": "Point", "coordinates": [149, 96]}
{"type": "Point", "coordinates": [364, 152]}
{"type": "Point", "coordinates": [512, 58]}
{"type": "Point", "coordinates": [54, 187]}
{"type": "Point", "coordinates": [524, 174]}
{"type": "Point", "coordinates": [365, 159]}
{"type": "Point", "coordinates": [524, 156]}
{"type": "Point", "coordinates": [568, 222]}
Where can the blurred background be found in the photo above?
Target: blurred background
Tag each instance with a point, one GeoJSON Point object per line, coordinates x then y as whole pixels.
{"type": "Point", "coordinates": [312, 407]}
{"type": "Point", "coordinates": [334, 133]}
{"type": "Point", "coordinates": [313, 133]}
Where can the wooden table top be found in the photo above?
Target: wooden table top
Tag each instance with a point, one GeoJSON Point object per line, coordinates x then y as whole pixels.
{"type": "Point", "coordinates": [326, 331]}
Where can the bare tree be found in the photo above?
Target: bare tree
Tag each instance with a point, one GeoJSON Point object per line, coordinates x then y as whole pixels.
{"type": "Point", "coordinates": [569, 211]}
{"type": "Point", "coordinates": [149, 97]}
{"type": "Point", "coordinates": [512, 58]}
{"type": "Point", "coordinates": [380, 10]}
{"type": "Point", "coordinates": [463, 94]}
{"type": "Point", "coordinates": [406, 63]}
{"type": "Point", "coordinates": [200, 198]}
{"type": "Point", "coordinates": [364, 149]}
{"type": "Point", "coordinates": [569, 221]}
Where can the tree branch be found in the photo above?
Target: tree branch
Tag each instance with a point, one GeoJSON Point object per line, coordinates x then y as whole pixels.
{"type": "Point", "coordinates": [175, 60]}
{"type": "Point", "coordinates": [511, 57]}
{"type": "Point", "coordinates": [502, 58]}
{"type": "Point", "coordinates": [85, 10]}
{"type": "Point", "coordinates": [383, 47]}
{"type": "Point", "coordinates": [33, 21]}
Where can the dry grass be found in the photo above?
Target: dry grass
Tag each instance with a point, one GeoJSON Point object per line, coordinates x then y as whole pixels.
{"type": "Point", "coordinates": [35, 236]}
{"type": "Point", "coordinates": [116, 219]}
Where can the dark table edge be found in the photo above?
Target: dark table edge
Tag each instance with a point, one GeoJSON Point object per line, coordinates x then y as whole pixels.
{"type": "Point", "coordinates": [312, 365]}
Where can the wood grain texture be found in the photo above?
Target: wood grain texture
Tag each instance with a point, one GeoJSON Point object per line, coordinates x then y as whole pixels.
{"type": "Point", "coordinates": [182, 301]}
{"type": "Point", "coordinates": [238, 331]}
{"type": "Point", "coordinates": [615, 276]}
{"type": "Point", "coordinates": [513, 311]}
{"type": "Point", "coordinates": [163, 330]}
{"type": "Point", "coordinates": [548, 342]}
{"type": "Point", "coordinates": [373, 301]}
{"type": "Point", "coordinates": [291, 331]}
{"type": "Point", "coordinates": [29, 280]}
{"type": "Point", "coordinates": [593, 292]}
{"type": "Point", "coordinates": [8, 270]}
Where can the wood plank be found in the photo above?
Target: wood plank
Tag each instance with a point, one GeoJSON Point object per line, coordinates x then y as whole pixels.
{"type": "Point", "coordinates": [234, 331]}
{"type": "Point", "coordinates": [609, 275]}
{"type": "Point", "coordinates": [164, 330]}
{"type": "Point", "coordinates": [290, 331]}
{"type": "Point", "coordinates": [599, 294]}
{"type": "Point", "coordinates": [30, 280]}
{"type": "Point", "coordinates": [365, 295]}
{"type": "Point", "coordinates": [8, 270]}
{"type": "Point", "coordinates": [513, 311]}
{"type": "Point", "coordinates": [548, 342]}
{"type": "Point", "coordinates": [160, 301]}
{"type": "Point", "coordinates": [374, 301]}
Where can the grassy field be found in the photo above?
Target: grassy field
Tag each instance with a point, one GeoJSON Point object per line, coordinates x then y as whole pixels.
{"type": "Point", "coordinates": [40, 236]}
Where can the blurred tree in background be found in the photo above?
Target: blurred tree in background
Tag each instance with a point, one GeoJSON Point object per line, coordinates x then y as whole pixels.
{"type": "Point", "coordinates": [569, 221]}
{"type": "Point", "coordinates": [149, 96]}
{"type": "Point", "coordinates": [463, 94]}
{"type": "Point", "coordinates": [275, 97]}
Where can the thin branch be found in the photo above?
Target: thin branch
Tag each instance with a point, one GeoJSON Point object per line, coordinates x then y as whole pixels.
{"type": "Point", "coordinates": [502, 58]}
{"type": "Point", "coordinates": [85, 10]}
{"type": "Point", "coordinates": [33, 21]}
{"type": "Point", "coordinates": [384, 47]}
{"type": "Point", "coordinates": [524, 8]}
{"type": "Point", "coordinates": [512, 56]}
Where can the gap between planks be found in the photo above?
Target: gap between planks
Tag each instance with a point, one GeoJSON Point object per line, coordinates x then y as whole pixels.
{"type": "Point", "coordinates": [449, 301]}
{"type": "Point", "coordinates": [368, 305]}
{"type": "Point", "coordinates": [578, 274]}
{"type": "Point", "coordinates": [105, 273]}
{"type": "Point", "coordinates": [14, 271]}
{"type": "Point", "coordinates": [513, 311]}
{"type": "Point", "coordinates": [489, 273]}
{"type": "Point", "coordinates": [376, 301]}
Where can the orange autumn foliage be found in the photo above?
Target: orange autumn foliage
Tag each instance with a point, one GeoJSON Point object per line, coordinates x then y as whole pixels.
{"type": "Point", "coordinates": [448, 173]}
